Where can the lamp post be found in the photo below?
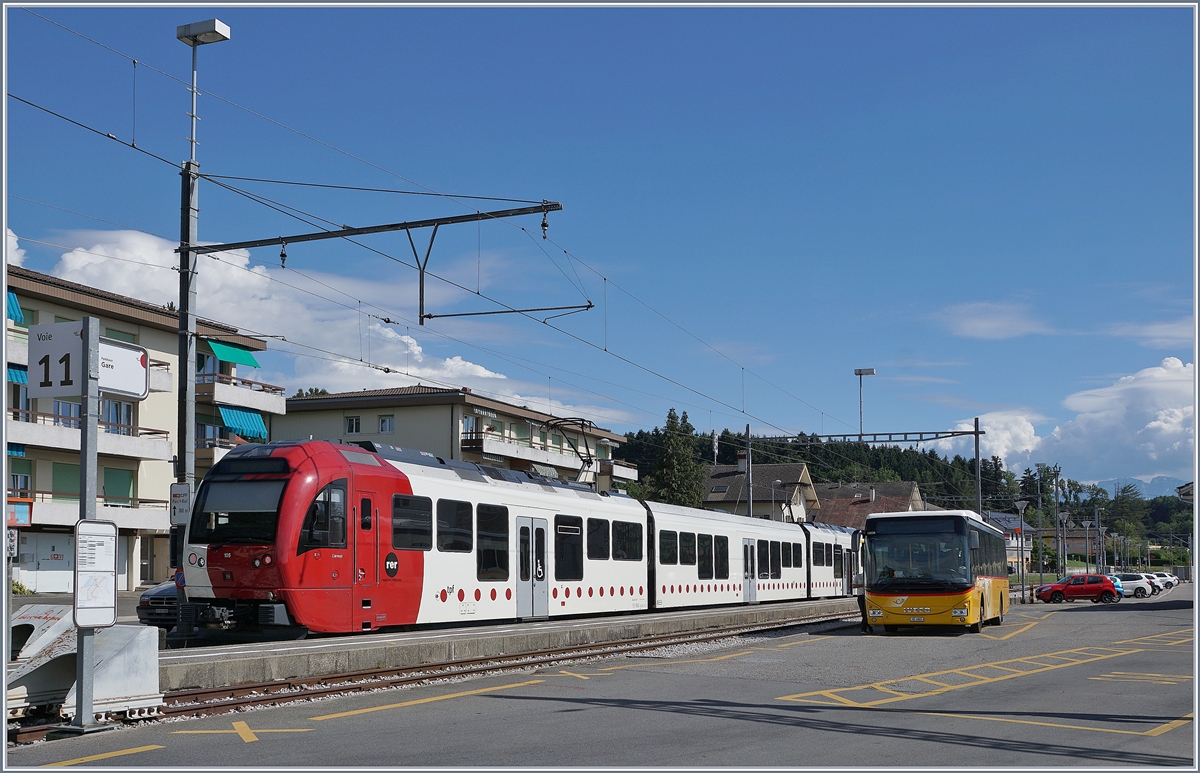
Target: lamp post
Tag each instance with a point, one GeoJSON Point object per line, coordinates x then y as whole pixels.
{"type": "Point", "coordinates": [1021, 505]}
{"type": "Point", "coordinates": [195, 35]}
{"type": "Point", "coordinates": [860, 372]}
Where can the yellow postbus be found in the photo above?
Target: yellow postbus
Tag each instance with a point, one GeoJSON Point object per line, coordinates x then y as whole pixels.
{"type": "Point", "coordinates": [942, 567]}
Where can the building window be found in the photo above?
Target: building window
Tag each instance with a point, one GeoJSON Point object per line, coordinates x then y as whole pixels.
{"type": "Point", "coordinates": [556, 442]}
{"type": "Point", "coordinates": [19, 404]}
{"type": "Point", "coordinates": [117, 417]}
{"type": "Point", "coordinates": [387, 425]}
{"type": "Point", "coordinates": [520, 432]}
{"type": "Point", "coordinates": [602, 451]}
{"type": "Point", "coordinates": [68, 411]}
{"type": "Point", "coordinates": [468, 426]}
{"type": "Point", "coordinates": [353, 425]}
{"type": "Point", "coordinates": [542, 439]}
{"type": "Point", "coordinates": [120, 335]}
{"type": "Point", "coordinates": [20, 478]}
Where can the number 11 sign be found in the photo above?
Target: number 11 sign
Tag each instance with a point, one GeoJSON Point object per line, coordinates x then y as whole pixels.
{"type": "Point", "coordinates": [56, 363]}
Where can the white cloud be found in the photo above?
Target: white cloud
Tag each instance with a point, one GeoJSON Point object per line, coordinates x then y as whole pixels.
{"type": "Point", "coordinates": [12, 251]}
{"type": "Point", "coordinates": [1143, 425]}
{"type": "Point", "coordinates": [993, 321]}
{"type": "Point", "coordinates": [1159, 335]}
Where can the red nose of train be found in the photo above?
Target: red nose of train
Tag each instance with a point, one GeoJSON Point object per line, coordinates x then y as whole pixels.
{"type": "Point", "coordinates": [243, 571]}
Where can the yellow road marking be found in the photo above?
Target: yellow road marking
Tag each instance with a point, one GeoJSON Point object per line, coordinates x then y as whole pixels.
{"type": "Point", "coordinates": [1012, 634]}
{"type": "Point", "coordinates": [419, 701]}
{"type": "Point", "coordinates": [677, 662]}
{"type": "Point", "coordinates": [803, 641]}
{"type": "Point", "coordinates": [1130, 676]}
{"type": "Point", "coordinates": [1182, 636]}
{"type": "Point", "coordinates": [1157, 731]}
{"type": "Point", "coordinates": [891, 695]}
{"type": "Point", "coordinates": [1038, 617]}
{"type": "Point", "coordinates": [242, 730]}
{"type": "Point", "coordinates": [1138, 673]}
{"type": "Point", "coordinates": [580, 676]}
{"type": "Point", "coordinates": [104, 756]}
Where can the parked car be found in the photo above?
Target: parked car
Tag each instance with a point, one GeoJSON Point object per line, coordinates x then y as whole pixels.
{"type": "Point", "coordinates": [1136, 585]}
{"type": "Point", "coordinates": [1157, 583]}
{"type": "Point", "coordinates": [1169, 580]}
{"type": "Point", "coordinates": [1079, 586]}
{"type": "Point", "coordinates": [159, 606]}
{"type": "Point", "coordinates": [1116, 581]}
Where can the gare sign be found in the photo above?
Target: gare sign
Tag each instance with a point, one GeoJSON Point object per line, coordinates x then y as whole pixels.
{"type": "Point", "coordinates": [56, 363]}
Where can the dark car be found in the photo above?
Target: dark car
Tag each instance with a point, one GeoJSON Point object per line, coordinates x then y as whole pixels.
{"type": "Point", "coordinates": [159, 606]}
{"type": "Point", "coordinates": [1095, 587]}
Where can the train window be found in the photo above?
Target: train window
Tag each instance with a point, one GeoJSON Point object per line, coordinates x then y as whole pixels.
{"type": "Point", "coordinates": [568, 547]}
{"type": "Point", "coordinates": [627, 541]}
{"type": "Point", "coordinates": [597, 539]}
{"type": "Point", "coordinates": [325, 522]}
{"type": "Point", "coordinates": [524, 557]}
{"type": "Point", "coordinates": [818, 554]}
{"type": "Point", "coordinates": [786, 563]}
{"type": "Point", "coordinates": [704, 556]}
{"type": "Point", "coordinates": [776, 571]}
{"type": "Point", "coordinates": [668, 548]}
{"type": "Point", "coordinates": [453, 526]}
{"type": "Point", "coordinates": [798, 555]}
{"type": "Point", "coordinates": [412, 522]}
{"type": "Point", "coordinates": [837, 562]}
{"type": "Point", "coordinates": [364, 514]}
{"type": "Point", "coordinates": [828, 554]}
{"type": "Point", "coordinates": [687, 548]}
{"type": "Point", "coordinates": [721, 556]}
{"type": "Point", "coordinates": [764, 559]}
{"type": "Point", "coordinates": [491, 555]}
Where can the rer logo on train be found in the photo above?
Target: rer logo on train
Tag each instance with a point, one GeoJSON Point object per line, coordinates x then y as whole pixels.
{"type": "Point", "coordinates": [391, 564]}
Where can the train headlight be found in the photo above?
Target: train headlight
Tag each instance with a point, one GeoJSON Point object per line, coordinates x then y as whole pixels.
{"type": "Point", "coordinates": [959, 612]}
{"type": "Point", "coordinates": [200, 562]}
{"type": "Point", "coordinates": [257, 563]}
{"type": "Point", "coordinates": [267, 559]}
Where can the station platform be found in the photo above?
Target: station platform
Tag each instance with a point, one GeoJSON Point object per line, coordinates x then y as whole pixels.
{"type": "Point", "coordinates": [230, 665]}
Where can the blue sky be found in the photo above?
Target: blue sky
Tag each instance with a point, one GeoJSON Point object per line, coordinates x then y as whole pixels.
{"type": "Point", "coordinates": [991, 206]}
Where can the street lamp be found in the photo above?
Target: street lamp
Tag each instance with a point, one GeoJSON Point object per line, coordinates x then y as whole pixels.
{"type": "Point", "coordinates": [195, 35]}
{"type": "Point", "coordinates": [860, 372]}
{"type": "Point", "coordinates": [1021, 505]}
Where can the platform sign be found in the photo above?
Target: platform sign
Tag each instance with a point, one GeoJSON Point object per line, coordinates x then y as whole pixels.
{"type": "Point", "coordinates": [56, 362]}
{"type": "Point", "coordinates": [181, 504]}
{"type": "Point", "coordinates": [95, 574]}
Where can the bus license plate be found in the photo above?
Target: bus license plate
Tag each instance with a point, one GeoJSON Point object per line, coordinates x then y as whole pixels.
{"type": "Point", "coordinates": [916, 619]}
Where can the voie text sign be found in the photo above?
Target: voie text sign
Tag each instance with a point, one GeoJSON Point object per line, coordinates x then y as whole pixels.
{"type": "Point", "coordinates": [56, 363]}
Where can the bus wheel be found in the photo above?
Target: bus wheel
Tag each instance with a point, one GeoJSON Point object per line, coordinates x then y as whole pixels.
{"type": "Point", "coordinates": [890, 628]}
{"type": "Point", "coordinates": [976, 627]}
{"type": "Point", "coordinates": [999, 619]}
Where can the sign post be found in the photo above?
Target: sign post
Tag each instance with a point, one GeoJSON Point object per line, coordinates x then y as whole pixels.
{"type": "Point", "coordinates": [68, 358]}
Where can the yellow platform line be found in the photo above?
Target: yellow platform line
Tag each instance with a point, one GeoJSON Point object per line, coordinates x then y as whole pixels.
{"type": "Point", "coordinates": [432, 699]}
{"type": "Point", "coordinates": [1083, 653]}
{"type": "Point", "coordinates": [105, 756]}
{"type": "Point", "coordinates": [805, 641]}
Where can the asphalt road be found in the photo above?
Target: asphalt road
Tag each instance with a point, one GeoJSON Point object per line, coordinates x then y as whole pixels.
{"type": "Point", "coordinates": [1074, 684]}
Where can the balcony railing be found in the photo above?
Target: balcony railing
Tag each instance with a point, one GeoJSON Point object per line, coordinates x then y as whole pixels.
{"type": "Point", "coordinates": [73, 496]}
{"type": "Point", "coordinates": [243, 383]}
{"type": "Point", "coordinates": [73, 422]}
{"type": "Point", "coordinates": [18, 334]}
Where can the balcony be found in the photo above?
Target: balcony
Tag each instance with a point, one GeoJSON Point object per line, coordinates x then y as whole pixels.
{"type": "Point", "coordinates": [18, 346]}
{"type": "Point", "coordinates": [160, 376]}
{"type": "Point", "coordinates": [220, 389]}
{"type": "Point", "coordinates": [50, 430]}
{"type": "Point", "coordinates": [619, 469]}
{"type": "Point", "coordinates": [487, 443]}
{"type": "Point", "coordinates": [62, 509]}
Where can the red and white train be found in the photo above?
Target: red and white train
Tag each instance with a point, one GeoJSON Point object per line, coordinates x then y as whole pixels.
{"type": "Point", "coordinates": [338, 538]}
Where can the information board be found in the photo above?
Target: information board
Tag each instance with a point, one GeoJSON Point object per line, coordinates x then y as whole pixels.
{"type": "Point", "coordinates": [56, 363]}
{"type": "Point", "coordinates": [181, 504]}
{"type": "Point", "coordinates": [95, 574]}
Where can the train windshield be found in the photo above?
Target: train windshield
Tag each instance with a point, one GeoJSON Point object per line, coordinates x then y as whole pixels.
{"type": "Point", "coordinates": [911, 554]}
{"type": "Point", "coordinates": [237, 511]}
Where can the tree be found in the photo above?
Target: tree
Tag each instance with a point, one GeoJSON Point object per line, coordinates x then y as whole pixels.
{"type": "Point", "coordinates": [312, 392]}
{"type": "Point", "coordinates": [678, 478]}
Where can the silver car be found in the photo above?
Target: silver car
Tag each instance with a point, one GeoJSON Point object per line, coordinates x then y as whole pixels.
{"type": "Point", "coordinates": [1168, 580]}
{"type": "Point", "coordinates": [1136, 585]}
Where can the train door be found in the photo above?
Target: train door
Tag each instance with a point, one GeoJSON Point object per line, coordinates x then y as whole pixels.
{"type": "Point", "coordinates": [849, 570]}
{"type": "Point", "coordinates": [366, 561]}
{"type": "Point", "coordinates": [532, 594]}
{"type": "Point", "coordinates": [749, 575]}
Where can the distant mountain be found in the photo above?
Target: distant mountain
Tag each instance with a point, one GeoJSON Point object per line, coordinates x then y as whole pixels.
{"type": "Point", "coordinates": [1162, 486]}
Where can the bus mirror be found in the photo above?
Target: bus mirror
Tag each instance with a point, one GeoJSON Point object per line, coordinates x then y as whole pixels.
{"type": "Point", "coordinates": [974, 540]}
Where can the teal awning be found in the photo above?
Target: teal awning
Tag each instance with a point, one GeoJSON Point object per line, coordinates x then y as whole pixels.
{"type": "Point", "coordinates": [14, 309]}
{"type": "Point", "coordinates": [248, 424]}
{"type": "Point", "coordinates": [17, 374]}
{"type": "Point", "coordinates": [233, 353]}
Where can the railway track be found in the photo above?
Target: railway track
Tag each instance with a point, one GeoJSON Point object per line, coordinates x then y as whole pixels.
{"type": "Point", "coordinates": [207, 702]}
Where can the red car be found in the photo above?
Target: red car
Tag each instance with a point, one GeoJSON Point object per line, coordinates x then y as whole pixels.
{"type": "Point", "coordinates": [1095, 587]}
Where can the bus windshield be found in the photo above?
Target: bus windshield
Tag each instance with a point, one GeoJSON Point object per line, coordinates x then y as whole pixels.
{"type": "Point", "coordinates": [907, 554]}
{"type": "Point", "coordinates": [237, 511]}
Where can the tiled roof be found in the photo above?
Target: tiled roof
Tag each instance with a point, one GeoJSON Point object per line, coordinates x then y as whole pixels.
{"type": "Point", "coordinates": [849, 504]}
{"type": "Point", "coordinates": [727, 475]}
{"type": "Point", "coordinates": [393, 392]}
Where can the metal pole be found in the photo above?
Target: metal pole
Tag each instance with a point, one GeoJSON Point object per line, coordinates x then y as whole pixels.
{"type": "Point", "coordinates": [749, 476]}
{"type": "Point", "coordinates": [978, 475]}
{"type": "Point", "coordinates": [860, 421]}
{"type": "Point", "coordinates": [85, 660]}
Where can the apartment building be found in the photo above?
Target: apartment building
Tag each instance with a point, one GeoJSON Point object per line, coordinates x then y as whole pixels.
{"type": "Point", "coordinates": [136, 441]}
{"type": "Point", "coordinates": [458, 424]}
